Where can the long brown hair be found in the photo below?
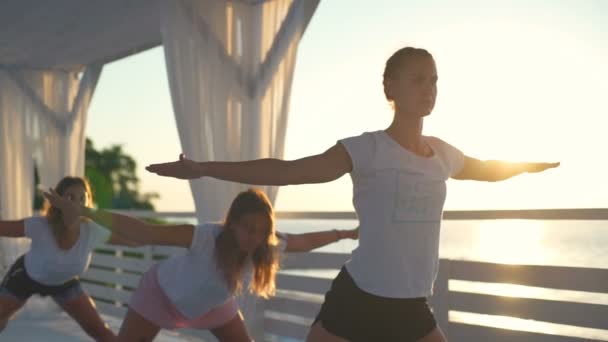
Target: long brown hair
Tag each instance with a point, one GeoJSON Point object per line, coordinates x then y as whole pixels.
{"type": "Point", "coordinates": [53, 214]}
{"type": "Point", "coordinates": [265, 258]}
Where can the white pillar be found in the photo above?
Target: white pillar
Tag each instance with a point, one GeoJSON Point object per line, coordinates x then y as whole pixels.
{"type": "Point", "coordinates": [222, 56]}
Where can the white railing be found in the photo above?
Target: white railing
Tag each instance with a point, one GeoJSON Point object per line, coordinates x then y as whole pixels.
{"type": "Point", "coordinates": [291, 312]}
{"type": "Point", "coordinates": [115, 273]}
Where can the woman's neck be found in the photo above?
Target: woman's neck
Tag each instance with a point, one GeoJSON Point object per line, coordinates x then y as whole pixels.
{"type": "Point", "coordinates": [407, 131]}
{"type": "Point", "coordinates": [70, 237]}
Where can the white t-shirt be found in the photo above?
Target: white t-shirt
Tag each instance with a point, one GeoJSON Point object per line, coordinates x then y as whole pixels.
{"type": "Point", "coordinates": [48, 264]}
{"type": "Point", "coordinates": [398, 197]}
{"type": "Point", "coordinates": [192, 281]}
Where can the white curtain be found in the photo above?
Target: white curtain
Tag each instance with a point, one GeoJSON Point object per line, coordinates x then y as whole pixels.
{"type": "Point", "coordinates": [55, 124]}
{"type": "Point", "coordinates": [230, 68]}
{"type": "Point", "coordinates": [16, 165]}
{"type": "Point", "coordinates": [59, 141]}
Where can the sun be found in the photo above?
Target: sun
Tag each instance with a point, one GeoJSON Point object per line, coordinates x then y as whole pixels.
{"type": "Point", "coordinates": [512, 241]}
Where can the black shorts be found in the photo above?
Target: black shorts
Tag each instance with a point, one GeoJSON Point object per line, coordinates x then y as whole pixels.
{"type": "Point", "coordinates": [358, 316]}
{"type": "Point", "coordinates": [17, 283]}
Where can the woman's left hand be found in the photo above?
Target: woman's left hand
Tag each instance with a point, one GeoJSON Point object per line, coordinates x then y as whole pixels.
{"type": "Point", "coordinates": [539, 167]}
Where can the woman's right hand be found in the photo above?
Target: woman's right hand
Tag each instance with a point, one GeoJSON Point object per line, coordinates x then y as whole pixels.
{"type": "Point", "coordinates": [70, 210]}
{"type": "Point", "coordinates": [183, 168]}
{"type": "Point", "coordinates": [350, 234]}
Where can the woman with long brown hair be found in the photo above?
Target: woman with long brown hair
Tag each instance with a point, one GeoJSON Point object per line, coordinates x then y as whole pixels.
{"type": "Point", "coordinates": [60, 251]}
{"type": "Point", "coordinates": [197, 289]}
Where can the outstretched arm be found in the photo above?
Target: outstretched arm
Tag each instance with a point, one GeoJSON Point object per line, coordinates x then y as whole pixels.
{"type": "Point", "coordinates": [116, 239]}
{"type": "Point", "coordinates": [127, 228]}
{"type": "Point", "coordinates": [320, 168]}
{"type": "Point", "coordinates": [309, 241]}
{"type": "Point", "coordinates": [12, 228]}
{"type": "Point", "coordinates": [133, 231]}
{"type": "Point", "coordinates": [496, 170]}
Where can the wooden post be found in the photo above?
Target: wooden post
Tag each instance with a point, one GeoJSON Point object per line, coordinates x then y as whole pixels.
{"type": "Point", "coordinates": [252, 308]}
{"type": "Point", "coordinates": [440, 301]}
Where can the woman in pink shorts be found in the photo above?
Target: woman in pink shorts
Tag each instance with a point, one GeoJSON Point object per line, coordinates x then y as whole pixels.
{"type": "Point", "coordinates": [197, 289]}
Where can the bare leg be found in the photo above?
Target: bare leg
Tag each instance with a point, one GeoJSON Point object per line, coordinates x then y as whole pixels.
{"type": "Point", "coordinates": [9, 305]}
{"type": "Point", "coordinates": [233, 331]}
{"type": "Point", "coordinates": [82, 309]}
{"type": "Point", "coordinates": [318, 333]}
{"type": "Point", "coordinates": [135, 328]}
{"type": "Point", "coordinates": [434, 336]}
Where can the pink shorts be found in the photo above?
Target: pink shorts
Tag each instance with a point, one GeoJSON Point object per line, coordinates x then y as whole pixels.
{"type": "Point", "coordinates": [150, 301]}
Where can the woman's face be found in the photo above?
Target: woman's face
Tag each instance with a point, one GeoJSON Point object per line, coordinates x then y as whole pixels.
{"type": "Point", "coordinates": [414, 90]}
{"type": "Point", "coordinates": [251, 231]}
{"type": "Point", "coordinates": [76, 194]}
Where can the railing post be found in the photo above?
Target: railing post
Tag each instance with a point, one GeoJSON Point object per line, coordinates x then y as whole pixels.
{"type": "Point", "coordinates": [148, 252]}
{"type": "Point", "coordinates": [440, 301]}
{"type": "Point", "coordinates": [252, 308]}
{"type": "Point", "coordinates": [119, 254]}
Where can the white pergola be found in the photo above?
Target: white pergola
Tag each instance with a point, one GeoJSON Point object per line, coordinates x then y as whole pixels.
{"type": "Point", "coordinates": [230, 67]}
{"type": "Point", "coordinates": [229, 63]}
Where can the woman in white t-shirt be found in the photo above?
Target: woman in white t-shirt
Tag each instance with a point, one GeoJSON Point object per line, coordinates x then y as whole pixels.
{"type": "Point", "coordinates": [399, 188]}
{"type": "Point", "coordinates": [196, 290]}
{"type": "Point", "coordinates": [59, 253]}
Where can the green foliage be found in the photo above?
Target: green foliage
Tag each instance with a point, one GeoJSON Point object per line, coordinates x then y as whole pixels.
{"type": "Point", "coordinates": [114, 183]}
{"type": "Point", "coordinates": [38, 198]}
{"type": "Point", "coordinates": [112, 176]}
{"type": "Point", "coordinates": [101, 187]}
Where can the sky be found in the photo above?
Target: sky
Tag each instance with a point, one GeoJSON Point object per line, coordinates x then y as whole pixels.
{"type": "Point", "coordinates": [518, 80]}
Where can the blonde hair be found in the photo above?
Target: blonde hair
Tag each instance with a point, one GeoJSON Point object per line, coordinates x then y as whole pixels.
{"type": "Point", "coordinates": [53, 214]}
{"type": "Point", "coordinates": [265, 258]}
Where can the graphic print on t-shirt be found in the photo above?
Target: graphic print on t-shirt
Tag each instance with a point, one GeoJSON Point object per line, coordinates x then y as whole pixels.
{"type": "Point", "coordinates": [418, 199]}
